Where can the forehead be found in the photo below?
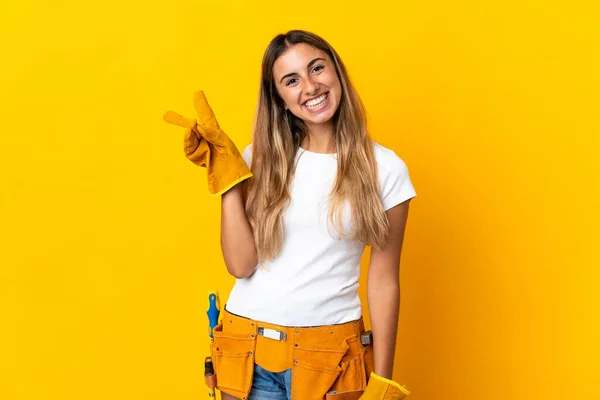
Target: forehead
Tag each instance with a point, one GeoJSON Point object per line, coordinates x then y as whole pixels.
{"type": "Point", "coordinates": [295, 59]}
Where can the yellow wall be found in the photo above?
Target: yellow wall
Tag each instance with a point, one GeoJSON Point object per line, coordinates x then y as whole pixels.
{"type": "Point", "coordinates": [110, 241]}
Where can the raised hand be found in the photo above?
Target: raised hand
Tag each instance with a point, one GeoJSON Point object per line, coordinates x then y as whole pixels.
{"type": "Point", "coordinates": [206, 145]}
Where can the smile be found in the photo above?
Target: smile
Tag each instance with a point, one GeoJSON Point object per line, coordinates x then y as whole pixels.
{"type": "Point", "coordinates": [318, 103]}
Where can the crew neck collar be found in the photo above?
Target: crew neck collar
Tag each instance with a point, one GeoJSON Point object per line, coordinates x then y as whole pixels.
{"type": "Point", "coordinates": [318, 154]}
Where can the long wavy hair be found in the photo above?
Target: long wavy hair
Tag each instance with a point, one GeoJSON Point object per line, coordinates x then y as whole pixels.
{"type": "Point", "coordinates": [277, 136]}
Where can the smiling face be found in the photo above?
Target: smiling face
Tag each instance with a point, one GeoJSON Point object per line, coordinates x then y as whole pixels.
{"type": "Point", "coordinates": [306, 80]}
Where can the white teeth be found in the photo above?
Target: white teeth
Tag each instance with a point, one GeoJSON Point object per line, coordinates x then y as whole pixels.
{"type": "Point", "coordinates": [316, 102]}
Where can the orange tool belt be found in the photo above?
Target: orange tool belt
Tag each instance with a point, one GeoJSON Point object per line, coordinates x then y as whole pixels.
{"type": "Point", "coordinates": [328, 362]}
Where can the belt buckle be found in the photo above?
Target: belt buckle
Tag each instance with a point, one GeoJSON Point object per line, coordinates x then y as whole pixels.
{"type": "Point", "coordinates": [272, 334]}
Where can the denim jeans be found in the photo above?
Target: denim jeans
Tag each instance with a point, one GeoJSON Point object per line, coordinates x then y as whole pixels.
{"type": "Point", "coordinates": [268, 385]}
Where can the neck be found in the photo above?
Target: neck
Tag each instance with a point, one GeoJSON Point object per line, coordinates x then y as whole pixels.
{"type": "Point", "coordinates": [319, 139]}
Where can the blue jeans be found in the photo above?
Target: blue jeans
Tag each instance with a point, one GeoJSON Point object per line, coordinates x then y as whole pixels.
{"type": "Point", "coordinates": [269, 385]}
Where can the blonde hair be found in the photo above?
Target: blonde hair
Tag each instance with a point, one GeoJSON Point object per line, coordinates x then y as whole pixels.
{"type": "Point", "coordinates": [277, 136]}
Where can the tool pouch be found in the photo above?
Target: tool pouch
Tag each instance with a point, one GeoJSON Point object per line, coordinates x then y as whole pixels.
{"type": "Point", "coordinates": [327, 362]}
{"type": "Point", "coordinates": [233, 360]}
{"type": "Point", "coordinates": [316, 368]}
{"type": "Point", "coordinates": [355, 368]}
{"type": "Point", "coordinates": [211, 380]}
{"type": "Point", "coordinates": [209, 373]}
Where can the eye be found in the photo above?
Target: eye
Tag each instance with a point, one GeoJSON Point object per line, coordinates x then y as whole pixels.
{"type": "Point", "coordinates": [290, 81]}
{"type": "Point", "coordinates": [318, 66]}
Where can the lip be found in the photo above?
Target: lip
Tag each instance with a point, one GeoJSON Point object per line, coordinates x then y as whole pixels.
{"type": "Point", "coordinates": [323, 106]}
{"type": "Point", "coordinates": [316, 97]}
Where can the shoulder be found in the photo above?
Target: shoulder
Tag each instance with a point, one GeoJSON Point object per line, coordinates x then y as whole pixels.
{"type": "Point", "coordinates": [394, 179]}
{"type": "Point", "coordinates": [388, 161]}
{"type": "Point", "coordinates": [247, 154]}
{"type": "Point", "coordinates": [248, 150]}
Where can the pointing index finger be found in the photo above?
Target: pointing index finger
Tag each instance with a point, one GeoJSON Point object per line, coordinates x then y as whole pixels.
{"type": "Point", "coordinates": [176, 119]}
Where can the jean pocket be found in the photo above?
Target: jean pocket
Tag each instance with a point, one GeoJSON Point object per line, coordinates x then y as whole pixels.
{"type": "Point", "coordinates": [233, 360]}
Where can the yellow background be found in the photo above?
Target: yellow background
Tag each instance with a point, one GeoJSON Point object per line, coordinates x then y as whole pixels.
{"type": "Point", "coordinates": [110, 242]}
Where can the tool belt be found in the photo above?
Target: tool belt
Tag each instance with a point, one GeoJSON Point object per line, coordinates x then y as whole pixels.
{"type": "Point", "coordinates": [328, 362]}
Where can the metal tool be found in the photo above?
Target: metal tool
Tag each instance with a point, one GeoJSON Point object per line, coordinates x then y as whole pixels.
{"type": "Point", "coordinates": [213, 320]}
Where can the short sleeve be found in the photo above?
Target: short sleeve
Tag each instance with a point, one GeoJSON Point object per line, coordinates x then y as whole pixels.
{"type": "Point", "coordinates": [394, 179]}
{"type": "Point", "coordinates": [247, 155]}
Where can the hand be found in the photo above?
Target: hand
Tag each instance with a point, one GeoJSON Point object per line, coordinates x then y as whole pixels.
{"type": "Point", "coordinates": [380, 388]}
{"type": "Point", "coordinates": [206, 128]}
{"type": "Point", "coordinates": [206, 145]}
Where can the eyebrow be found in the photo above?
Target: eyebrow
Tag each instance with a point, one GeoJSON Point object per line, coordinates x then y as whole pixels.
{"type": "Point", "coordinates": [310, 64]}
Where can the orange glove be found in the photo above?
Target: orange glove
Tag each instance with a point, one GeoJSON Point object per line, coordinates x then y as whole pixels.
{"type": "Point", "coordinates": [206, 145]}
{"type": "Point", "coordinates": [380, 388]}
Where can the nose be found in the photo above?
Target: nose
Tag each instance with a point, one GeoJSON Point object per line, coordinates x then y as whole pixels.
{"type": "Point", "coordinates": [311, 87]}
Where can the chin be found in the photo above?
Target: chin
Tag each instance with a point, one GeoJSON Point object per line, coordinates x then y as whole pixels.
{"type": "Point", "coordinates": [321, 120]}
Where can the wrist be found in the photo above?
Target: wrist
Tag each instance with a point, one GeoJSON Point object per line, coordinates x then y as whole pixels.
{"type": "Point", "coordinates": [384, 372]}
{"type": "Point", "coordinates": [235, 190]}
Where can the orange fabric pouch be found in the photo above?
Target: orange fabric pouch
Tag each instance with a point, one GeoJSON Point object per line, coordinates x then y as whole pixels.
{"type": "Point", "coordinates": [233, 360]}
{"type": "Point", "coordinates": [323, 359]}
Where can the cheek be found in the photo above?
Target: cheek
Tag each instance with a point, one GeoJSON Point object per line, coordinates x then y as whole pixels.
{"type": "Point", "coordinates": [288, 96]}
{"type": "Point", "coordinates": [334, 83]}
{"type": "Point", "coordinates": [337, 94]}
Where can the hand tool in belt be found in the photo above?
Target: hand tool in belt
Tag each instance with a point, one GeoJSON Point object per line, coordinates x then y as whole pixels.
{"type": "Point", "coordinates": [213, 319]}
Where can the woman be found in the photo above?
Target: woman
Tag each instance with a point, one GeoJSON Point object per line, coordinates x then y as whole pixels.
{"type": "Point", "coordinates": [293, 236]}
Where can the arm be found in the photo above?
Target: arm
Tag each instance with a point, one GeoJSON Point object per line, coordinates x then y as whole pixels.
{"type": "Point", "coordinates": [383, 291]}
{"type": "Point", "coordinates": [237, 240]}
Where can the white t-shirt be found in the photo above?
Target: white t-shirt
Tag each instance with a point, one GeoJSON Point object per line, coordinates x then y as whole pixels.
{"type": "Point", "coordinates": [314, 280]}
